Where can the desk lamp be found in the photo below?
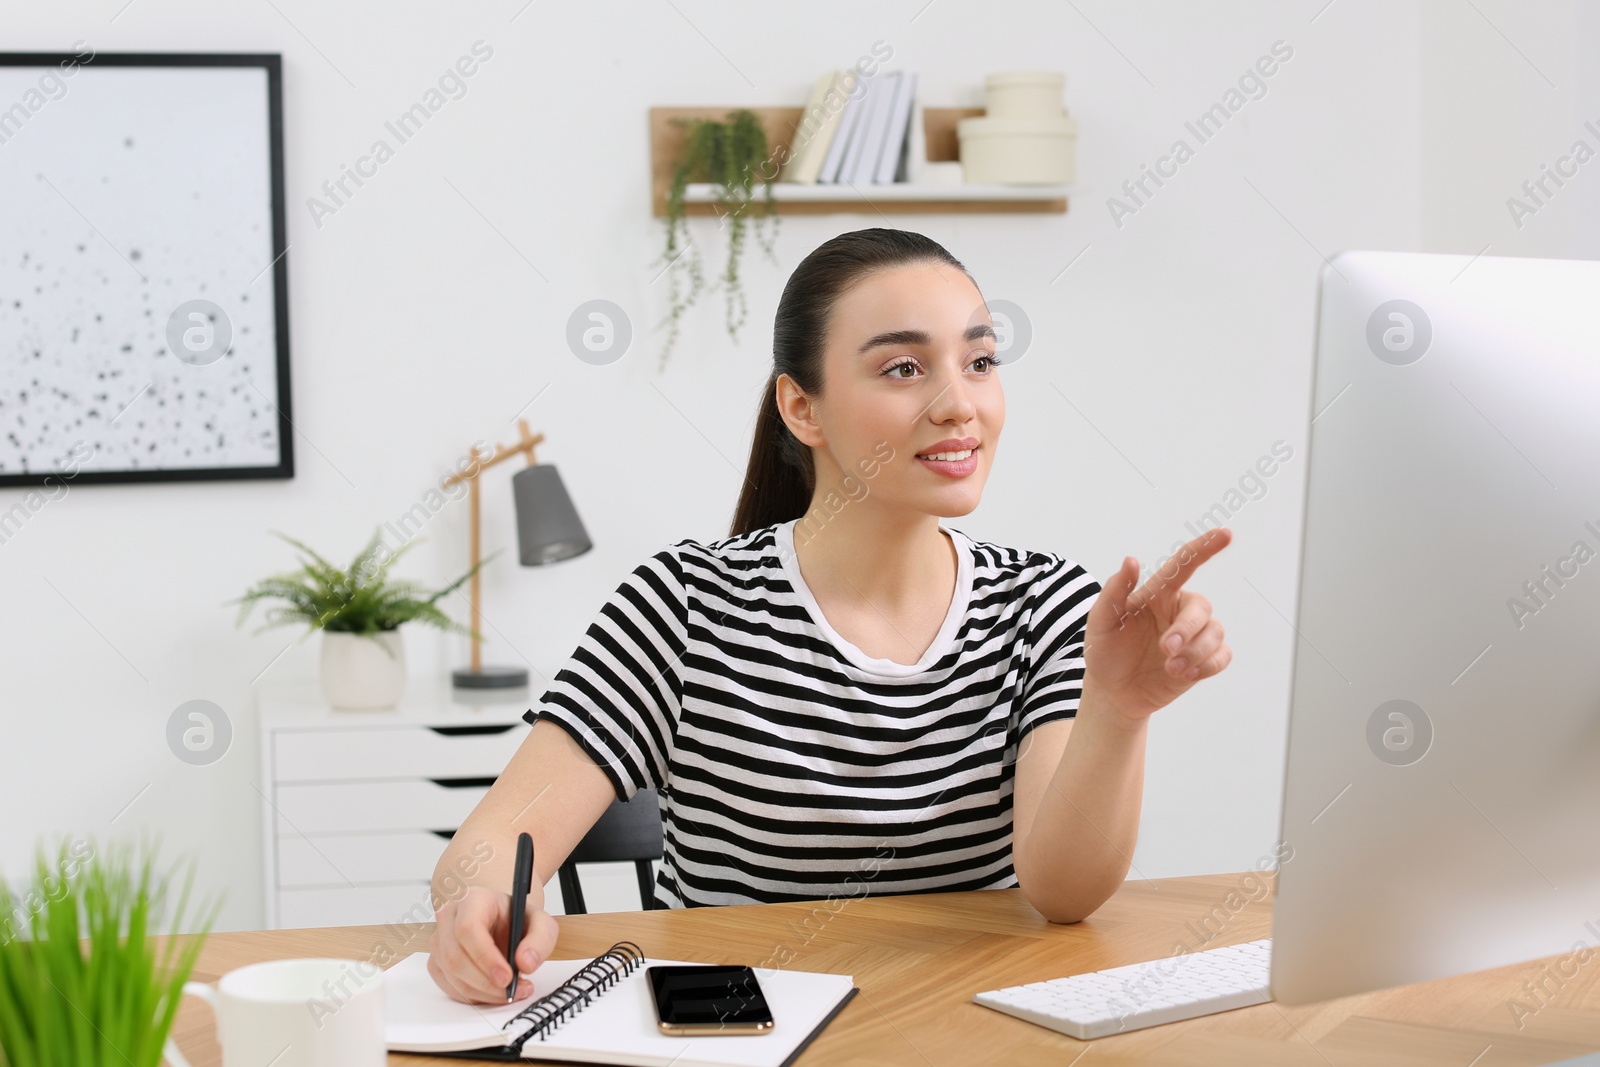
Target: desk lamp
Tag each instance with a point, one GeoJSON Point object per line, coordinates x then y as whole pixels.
{"type": "Point", "coordinates": [548, 531]}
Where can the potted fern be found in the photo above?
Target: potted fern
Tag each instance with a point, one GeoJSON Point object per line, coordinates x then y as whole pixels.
{"type": "Point", "coordinates": [359, 611]}
{"type": "Point", "coordinates": [81, 983]}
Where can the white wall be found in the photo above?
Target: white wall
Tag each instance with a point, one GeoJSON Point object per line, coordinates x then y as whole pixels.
{"type": "Point", "coordinates": [1181, 336]}
{"type": "Point", "coordinates": [1504, 100]}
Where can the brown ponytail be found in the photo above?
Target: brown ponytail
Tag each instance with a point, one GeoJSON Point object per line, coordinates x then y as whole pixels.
{"type": "Point", "coordinates": [780, 477]}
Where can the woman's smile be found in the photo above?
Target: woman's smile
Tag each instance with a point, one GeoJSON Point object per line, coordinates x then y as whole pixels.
{"type": "Point", "coordinates": [952, 458]}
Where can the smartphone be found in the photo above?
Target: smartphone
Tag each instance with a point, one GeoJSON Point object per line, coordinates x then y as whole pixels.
{"type": "Point", "coordinates": [701, 1000]}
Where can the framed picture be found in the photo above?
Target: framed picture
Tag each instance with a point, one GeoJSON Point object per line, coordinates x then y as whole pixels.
{"type": "Point", "coordinates": [144, 316]}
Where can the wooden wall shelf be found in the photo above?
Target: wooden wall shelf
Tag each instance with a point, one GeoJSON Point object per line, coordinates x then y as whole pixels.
{"type": "Point", "coordinates": [792, 198]}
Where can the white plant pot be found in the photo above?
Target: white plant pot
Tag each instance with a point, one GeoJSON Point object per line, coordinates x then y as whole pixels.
{"type": "Point", "coordinates": [363, 672]}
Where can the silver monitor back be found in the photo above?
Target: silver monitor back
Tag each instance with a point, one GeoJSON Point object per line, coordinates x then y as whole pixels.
{"type": "Point", "coordinates": [1442, 792]}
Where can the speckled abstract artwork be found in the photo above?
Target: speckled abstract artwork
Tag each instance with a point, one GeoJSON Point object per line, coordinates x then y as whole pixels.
{"type": "Point", "coordinates": [137, 323]}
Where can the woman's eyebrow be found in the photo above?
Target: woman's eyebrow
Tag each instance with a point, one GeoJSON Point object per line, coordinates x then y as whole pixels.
{"type": "Point", "coordinates": [920, 337]}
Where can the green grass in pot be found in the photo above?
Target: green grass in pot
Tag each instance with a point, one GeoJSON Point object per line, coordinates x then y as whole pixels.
{"type": "Point", "coordinates": [81, 983]}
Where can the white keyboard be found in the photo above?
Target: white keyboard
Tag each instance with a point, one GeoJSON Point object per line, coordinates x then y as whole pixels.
{"type": "Point", "coordinates": [1137, 995]}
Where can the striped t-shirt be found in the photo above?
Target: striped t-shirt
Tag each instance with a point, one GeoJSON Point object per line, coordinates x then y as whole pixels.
{"type": "Point", "coordinates": [791, 765]}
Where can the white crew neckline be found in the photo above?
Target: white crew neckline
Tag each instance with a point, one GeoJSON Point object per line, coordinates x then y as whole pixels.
{"type": "Point", "coordinates": [784, 535]}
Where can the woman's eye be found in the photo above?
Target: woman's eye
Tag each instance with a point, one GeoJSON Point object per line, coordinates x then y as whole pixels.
{"type": "Point", "coordinates": [984, 362]}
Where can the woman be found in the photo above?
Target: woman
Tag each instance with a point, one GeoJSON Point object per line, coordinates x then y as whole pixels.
{"type": "Point", "coordinates": [844, 696]}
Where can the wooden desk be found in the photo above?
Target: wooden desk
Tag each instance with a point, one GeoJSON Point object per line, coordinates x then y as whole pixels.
{"type": "Point", "coordinates": [919, 958]}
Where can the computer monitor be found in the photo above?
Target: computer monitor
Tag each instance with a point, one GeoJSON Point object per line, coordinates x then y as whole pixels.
{"type": "Point", "coordinates": [1442, 790]}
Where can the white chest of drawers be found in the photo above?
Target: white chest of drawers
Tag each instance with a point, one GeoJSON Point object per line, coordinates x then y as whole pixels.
{"type": "Point", "coordinates": [358, 805]}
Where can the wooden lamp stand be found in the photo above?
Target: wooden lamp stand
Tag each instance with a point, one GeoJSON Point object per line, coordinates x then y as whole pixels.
{"type": "Point", "coordinates": [477, 676]}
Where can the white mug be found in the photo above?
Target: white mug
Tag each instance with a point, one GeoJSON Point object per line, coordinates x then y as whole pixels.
{"type": "Point", "coordinates": [296, 1013]}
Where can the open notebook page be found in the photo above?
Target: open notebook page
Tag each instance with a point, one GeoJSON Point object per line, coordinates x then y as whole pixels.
{"type": "Point", "coordinates": [618, 1026]}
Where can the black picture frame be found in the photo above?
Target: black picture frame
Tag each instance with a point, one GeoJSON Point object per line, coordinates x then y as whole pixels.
{"type": "Point", "coordinates": [271, 65]}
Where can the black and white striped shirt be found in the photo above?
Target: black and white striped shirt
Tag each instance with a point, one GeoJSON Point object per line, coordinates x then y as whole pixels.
{"type": "Point", "coordinates": [791, 765]}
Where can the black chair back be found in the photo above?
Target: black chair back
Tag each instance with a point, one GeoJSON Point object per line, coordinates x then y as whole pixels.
{"type": "Point", "coordinates": [630, 831]}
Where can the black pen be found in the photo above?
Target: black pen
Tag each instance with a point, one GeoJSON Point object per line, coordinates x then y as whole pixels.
{"type": "Point", "coordinates": [521, 883]}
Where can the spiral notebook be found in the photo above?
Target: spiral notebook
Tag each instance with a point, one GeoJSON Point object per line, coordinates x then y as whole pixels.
{"type": "Point", "coordinates": [600, 1011]}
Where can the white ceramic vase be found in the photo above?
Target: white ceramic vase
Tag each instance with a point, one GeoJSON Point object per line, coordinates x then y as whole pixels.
{"type": "Point", "coordinates": [363, 672]}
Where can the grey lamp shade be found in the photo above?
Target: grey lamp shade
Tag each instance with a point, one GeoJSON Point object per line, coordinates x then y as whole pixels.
{"type": "Point", "coordinates": [548, 527]}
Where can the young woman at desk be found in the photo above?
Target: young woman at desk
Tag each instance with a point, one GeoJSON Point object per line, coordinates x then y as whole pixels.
{"type": "Point", "coordinates": [845, 697]}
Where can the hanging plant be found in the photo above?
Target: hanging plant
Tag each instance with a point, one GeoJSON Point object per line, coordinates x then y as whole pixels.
{"type": "Point", "coordinates": [729, 154]}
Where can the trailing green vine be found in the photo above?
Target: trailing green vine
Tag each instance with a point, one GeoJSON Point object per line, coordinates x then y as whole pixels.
{"type": "Point", "coordinates": [729, 154]}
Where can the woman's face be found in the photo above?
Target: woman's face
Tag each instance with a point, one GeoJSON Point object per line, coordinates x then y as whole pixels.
{"type": "Point", "coordinates": [908, 373]}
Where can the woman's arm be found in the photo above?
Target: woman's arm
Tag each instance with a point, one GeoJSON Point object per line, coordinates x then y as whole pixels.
{"type": "Point", "coordinates": [554, 792]}
{"type": "Point", "coordinates": [1079, 789]}
{"type": "Point", "coordinates": [551, 790]}
{"type": "Point", "coordinates": [1075, 813]}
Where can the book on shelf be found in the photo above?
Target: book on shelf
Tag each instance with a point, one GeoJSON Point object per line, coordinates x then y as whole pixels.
{"type": "Point", "coordinates": [892, 160]}
{"type": "Point", "coordinates": [915, 167]}
{"type": "Point", "coordinates": [817, 125]}
{"type": "Point", "coordinates": [864, 164]}
{"type": "Point", "coordinates": [858, 131]}
{"type": "Point", "coordinates": [851, 159]}
{"type": "Point", "coordinates": [850, 83]}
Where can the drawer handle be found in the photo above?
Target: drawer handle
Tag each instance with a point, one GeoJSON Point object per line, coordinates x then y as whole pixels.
{"type": "Point", "coordinates": [446, 834]}
{"type": "Point", "coordinates": [464, 783]}
{"type": "Point", "coordinates": [472, 731]}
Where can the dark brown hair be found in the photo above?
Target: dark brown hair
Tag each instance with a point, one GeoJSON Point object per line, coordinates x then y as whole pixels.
{"type": "Point", "coordinates": [780, 477]}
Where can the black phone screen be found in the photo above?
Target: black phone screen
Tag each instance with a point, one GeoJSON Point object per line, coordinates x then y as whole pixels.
{"type": "Point", "coordinates": [708, 996]}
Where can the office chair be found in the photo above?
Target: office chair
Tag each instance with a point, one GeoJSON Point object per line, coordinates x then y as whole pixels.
{"type": "Point", "coordinates": [630, 831]}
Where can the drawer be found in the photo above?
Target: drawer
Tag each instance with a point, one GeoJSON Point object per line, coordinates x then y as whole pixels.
{"type": "Point", "coordinates": [361, 906]}
{"type": "Point", "coordinates": [394, 752]}
{"type": "Point", "coordinates": [409, 903]}
{"type": "Point", "coordinates": [350, 807]}
{"type": "Point", "coordinates": [336, 860]}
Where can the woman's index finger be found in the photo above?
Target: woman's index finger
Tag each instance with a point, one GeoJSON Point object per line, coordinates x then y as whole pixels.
{"type": "Point", "coordinates": [1188, 559]}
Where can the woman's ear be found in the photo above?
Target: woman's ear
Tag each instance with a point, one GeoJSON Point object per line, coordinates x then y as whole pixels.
{"type": "Point", "coordinates": [799, 411]}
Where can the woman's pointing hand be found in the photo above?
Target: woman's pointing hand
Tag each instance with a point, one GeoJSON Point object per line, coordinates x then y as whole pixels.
{"type": "Point", "coordinates": [1146, 645]}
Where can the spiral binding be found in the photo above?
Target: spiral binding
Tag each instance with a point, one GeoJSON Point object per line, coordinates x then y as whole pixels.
{"type": "Point", "coordinates": [573, 995]}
